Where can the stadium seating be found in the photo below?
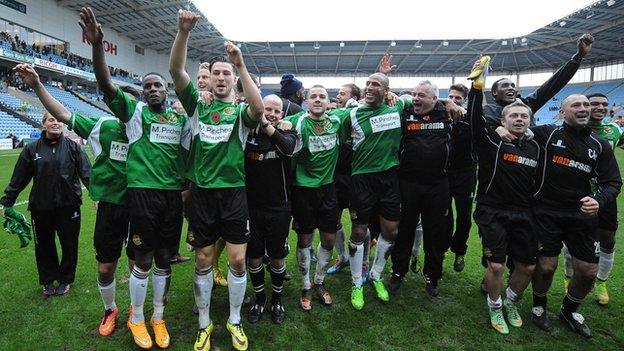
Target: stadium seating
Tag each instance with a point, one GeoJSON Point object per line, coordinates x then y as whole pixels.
{"type": "Point", "coordinates": [12, 125]}
{"type": "Point", "coordinates": [73, 103]}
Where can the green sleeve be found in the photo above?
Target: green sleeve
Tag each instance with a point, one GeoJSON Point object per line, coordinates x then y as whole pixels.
{"type": "Point", "coordinates": [249, 123]}
{"type": "Point", "coordinates": [188, 98]}
{"type": "Point", "coordinates": [293, 118]}
{"type": "Point", "coordinates": [122, 105]}
{"type": "Point", "coordinates": [81, 125]}
{"type": "Point", "coordinates": [404, 103]}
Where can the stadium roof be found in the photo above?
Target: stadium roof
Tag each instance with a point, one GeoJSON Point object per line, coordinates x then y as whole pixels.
{"type": "Point", "coordinates": [152, 24]}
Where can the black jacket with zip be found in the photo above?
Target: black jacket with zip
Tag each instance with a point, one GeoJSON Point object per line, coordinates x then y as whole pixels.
{"type": "Point", "coordinates": [572, 157]}
{"type": "Point", "coordinates": [56, 166]}
{"type": "Point", "coordinates": [507, 171]}
{"type": "Point", "coordinates": [425, 144]}
{"type": "Point", "coordinates": [268, 169]}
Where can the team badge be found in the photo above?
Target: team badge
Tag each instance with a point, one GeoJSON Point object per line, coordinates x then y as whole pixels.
{"type": "Point", "coordinates": [487, 252]}
{"type": "Point", "coordinates": [136, 239]}
{"type": "Point", "coordinates": [608, 130]}
{"type": "Point", "coordinates": [327, 124]}
{"type": "Point", "coordinates": [190, 236]}
{"type": "Point", "coordinates": [229, 110]}
{"type": "Point", "coordinates": [426, 118]}
{"type": "Point", "coordinates": [319, 129]}
{"type": "Point", "coordinates": [172, 118]}
{"type": "Point", "coordinates": [216, 117]}
{"type": "Point", "coordinates": [162, 119]}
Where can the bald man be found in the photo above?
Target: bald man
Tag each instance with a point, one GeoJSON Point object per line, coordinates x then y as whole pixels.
{"type": "Point", "coordinates": [268, 153]}
{"type": "Point", "coordinates": [565, 208]}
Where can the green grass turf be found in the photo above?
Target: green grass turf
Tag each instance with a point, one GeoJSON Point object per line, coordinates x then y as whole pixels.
{"type": "Point", "coordinates": [458, 320]}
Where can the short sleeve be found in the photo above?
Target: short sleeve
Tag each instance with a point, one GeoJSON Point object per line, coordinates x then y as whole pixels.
{"type": "Point", "coordinates": [249, 123]}
{"type": "Point", "coordinates": [188, 98]}
{"type": "Point", "coordinates": [81, 125]}
{"type": "Point", "coordinates": [122, 105]}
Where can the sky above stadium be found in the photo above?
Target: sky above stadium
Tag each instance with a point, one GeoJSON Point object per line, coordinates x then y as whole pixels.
{"type": "Point", "coordinates": [325, 20]}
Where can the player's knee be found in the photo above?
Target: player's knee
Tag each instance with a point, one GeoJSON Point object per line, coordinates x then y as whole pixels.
{"type": "Point", "coordinates": [237, 263]}
{"type": "Point", "coordinates": [202, 259]}
{"type": "Point", "coordinates": [358, 232]}
{"type": "Point", "coordinates": [304, 241]}
{"type": "Point", "coordinates": [106, 273]}
{"type": "Point", "coordinates": [586, 272]}
{"type": "Point", "coordinates": [277, 263]}
{"type": "Point", "coordinates": [496, 268]}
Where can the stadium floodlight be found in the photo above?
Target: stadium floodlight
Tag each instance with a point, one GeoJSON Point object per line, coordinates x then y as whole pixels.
{"type": "Point", "coordinates": [504, 42]}
{"type": "Point", "coordinates": [317, 46]}
{"type": "Point", "coordinates": [292, 45]}
{"type": "Point", "coordinates": [342, 44]}
{"type": "Point", "coordinates": [610, 3]}
{"type": "Point", "coordinates": [418, 45]}
{"type": "Point", "coordinates": [393, 43]}
{"type": "Point", "coordinates": [445, 43]}
{"type": "Point", "coordinates": [562, 23]}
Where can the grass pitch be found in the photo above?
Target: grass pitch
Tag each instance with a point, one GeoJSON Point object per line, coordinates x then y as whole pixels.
{"type": "Point", "coordinates": [458, 320]}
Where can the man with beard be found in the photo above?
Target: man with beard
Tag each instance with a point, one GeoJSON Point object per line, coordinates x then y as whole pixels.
{"type": "Point", "coordinates": [292, 94]}
{"type": "Point", "coordinates": [218, 201]}
{"type": "Point", "coordinates": [565, 208]}
{"type": "Point", "coordinates": [462, 170]}
{"type": "Point", "coordinates": [155, 147]}
{"type": "Point", "coordinates": [608, 215]}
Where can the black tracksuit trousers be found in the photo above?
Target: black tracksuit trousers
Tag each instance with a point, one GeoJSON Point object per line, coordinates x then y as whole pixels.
{"type": "Point", "coordinates": [430, 202]}
{"type": "Point", "coordinates": [66, 223]}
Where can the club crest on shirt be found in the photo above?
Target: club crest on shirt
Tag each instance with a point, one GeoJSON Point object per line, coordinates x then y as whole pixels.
{"type": "Point", "coordinates": [229, 110]}
{"type": "Point", "coordinates": [216, 117]}
{"type": "Point", "coordinates": [319, 129]}
{"type": "Point", "coordinates": [426, 118]}
{"type": "Point", "coordinates": [172, 117]}
{"type": "Point", "coordinates": [327, 124]}
{"type": "Point", "coordinates": [162, 119]}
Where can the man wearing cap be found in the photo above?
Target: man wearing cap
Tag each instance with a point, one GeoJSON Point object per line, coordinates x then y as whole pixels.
{"type": "Point", "coordinates": [291, 93]}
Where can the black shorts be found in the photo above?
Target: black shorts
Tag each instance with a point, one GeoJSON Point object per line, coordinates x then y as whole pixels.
{"type": "Point", "coordinates": [217, 213]}
{"type": "Point", "coordinates": [575, 229]}
{"type": "Point", "coordinates": [315, 208]}
{"type": "Point", "coordinates": [111, 230]}
{"type": "Point", "coordinates": [375, 190]}
{"type": "Point", "coordinates": [608, 217]}
{"type": "Point", "coordinates": [343, 189]}
{"type": "Point", "coordinates": [462, 182]}
{"type": "Point", "coordinates": [269, 232]}
{"type": "Point", "coordinates": [506, 233]}
{"type": "Point", "coordinates": [155, 218]}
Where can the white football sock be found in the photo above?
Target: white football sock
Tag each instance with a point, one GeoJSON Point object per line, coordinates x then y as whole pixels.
{"type": "Point", "coordinates": [237, 282]}
{"type": "Point", "coordinates": [108, 294]}
{"type": "Point", "coordinates": [605, 265]}
{"type": "Point", "coordinates": [303, 258]}
{"type": "Point", "coordinates": [323, 256]}
{"type": "Point", "coordinates": [138, 289]}
{"type": "Point", "coordinates": [202, 288]}
{"type": "Point", "coordinates": [356, 253]}
{"type": "Point", "coordinates": [383, 252]}
{"type": "Point", "coordinates": [160, 279]}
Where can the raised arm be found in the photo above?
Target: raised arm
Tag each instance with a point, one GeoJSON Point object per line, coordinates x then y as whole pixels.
{"type": "Point", "coordinates": [30, 77]}
{"type": "Point", "coordinates": [177, 60]}
{"type": "Point", "coordinates": [92, 31]}
{"type": "Point", "coordinates": [250, 90]}
{"type": "Point", "coordinates": [560, 78]}
{"type": "Point", "coordinates": [475, 114]}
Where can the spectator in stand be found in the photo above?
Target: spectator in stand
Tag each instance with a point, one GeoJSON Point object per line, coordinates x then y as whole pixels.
{"type": "Point", "coordinates": [291, 93]}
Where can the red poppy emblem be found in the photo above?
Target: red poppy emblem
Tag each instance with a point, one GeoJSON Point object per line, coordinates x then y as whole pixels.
{"type": "Point", "coordinates": [319, 129]}
{"type": "Point", "coordinates": [426, 118]}
{"type": "Point", "coordinates": [162, 119]}
{"type": "Point", "coordinates": [216, 117]}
